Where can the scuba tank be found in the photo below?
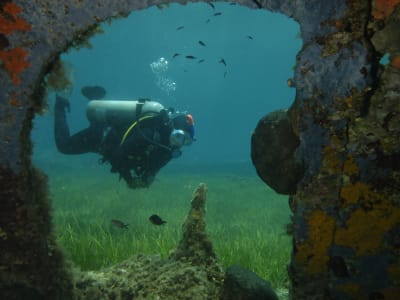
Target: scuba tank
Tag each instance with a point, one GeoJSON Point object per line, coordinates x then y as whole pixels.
{"type": "Point", "coordinates": [120, 112]}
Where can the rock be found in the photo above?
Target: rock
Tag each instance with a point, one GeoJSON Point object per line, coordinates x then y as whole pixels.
{"type": "Point", "coordinates": [242, 284]}
{"type": "Point", "coordinates": [191, 272]}
{"type": "Point", "coordinates": [195, 246]}
{"type": "Point", "coordinates": [273, 146]}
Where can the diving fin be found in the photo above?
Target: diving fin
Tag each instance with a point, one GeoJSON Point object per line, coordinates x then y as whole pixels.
{"type": "Point", "coordinates": [94, 92]}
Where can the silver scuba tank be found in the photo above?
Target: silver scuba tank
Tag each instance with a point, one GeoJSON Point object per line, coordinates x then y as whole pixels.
{"type": "Point", "coordinates": [119, 112]}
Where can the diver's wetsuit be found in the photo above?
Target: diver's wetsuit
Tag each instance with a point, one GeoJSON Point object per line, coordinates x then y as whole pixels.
{"type": "Point", "coordinates": [145, 150]}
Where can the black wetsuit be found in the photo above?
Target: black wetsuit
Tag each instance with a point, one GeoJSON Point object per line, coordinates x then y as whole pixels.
{"type": "Point", "coordinates": [144, 151]}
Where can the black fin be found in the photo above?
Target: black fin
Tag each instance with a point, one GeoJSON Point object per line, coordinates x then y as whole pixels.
{"type": "Point", "coordinates": [94, 92]}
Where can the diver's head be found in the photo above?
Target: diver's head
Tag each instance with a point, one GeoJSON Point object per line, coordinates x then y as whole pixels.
{"type": "Point", "coordinates": [183, 132]}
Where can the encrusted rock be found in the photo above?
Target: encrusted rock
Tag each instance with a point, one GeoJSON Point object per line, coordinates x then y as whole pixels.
{"type": "Point", "coordinates": [273, 147]}
{"type": "Point", "coordinates": [242, 284]}
{"type": "Point", "coordinates": [147, 277]}
{"type": "Point", "coordinates": [195, 245]}
{"type": "Point", "coordinates": [192, 272]}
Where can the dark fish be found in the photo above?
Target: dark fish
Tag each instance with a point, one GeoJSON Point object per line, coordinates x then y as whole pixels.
{"type": "Point", "coordinates": [225, 73]}
{"type": "Point", "coordinates": [161, 6]}
{"type": "Point", "coordinates": [212, 5]}
{"type": "Point", "coordinates": [180, 27]}
{"type": "Point", "coordinates": [222, 61]}
{"type": "Point", "coordinates": [156, 220]}
{"type": "Point", "coordinates": [119, 224]}
{"type": "Point", "coordinates": [249, 37]}
{"type": "Point", "coordinates": [93, 92]}
{"type": "Point", "coordinates": [202, 43]}
{"type": "Point", "coordinates": [258, 3]}
{"type": "Point", "coordinates": [208, 20]}
{"type": "Point", "coordinates": [175, 55]}
{"type": "Point", "coordinates": [190, 56]}
{"type": "Point", "coordinates": [218, 14]}
{"type": "Point", "coordinates": [201, 60]}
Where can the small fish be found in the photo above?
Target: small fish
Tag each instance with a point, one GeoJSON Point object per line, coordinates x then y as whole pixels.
{"type": "Point", "coordinates": [222, 61]}
{"type": "Point", "coordinates": [175, 55]}
{"type": "Point", "coordinates": [232, 3]}
{"type": "Point", "coordinates": [156, 220]}
{"type": "Point", "coordinates": [119, 224]}
{"type": "Point", "coordinates": [202, 43]}
{"type": "Point", "coordinates": [208, 20]}
{"type": "Point", "coordinates": [180, 27]}
{"type": "Point", "coordinates": [218, 14]}
{"type": "Point", "coordinates": [212, 5]}
{"type": "Point", "coordinates": [190, 56]}
{"type": "Point", "coordinates": [249, 37]}
{"type": "Point", "coordinates": [201, 60]}
{"type": "Point", "coordinates": [225, 73]}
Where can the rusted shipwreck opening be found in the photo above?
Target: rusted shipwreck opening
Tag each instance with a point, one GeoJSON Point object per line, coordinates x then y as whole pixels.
{"type": "Point", "coordinates": [346, 116]}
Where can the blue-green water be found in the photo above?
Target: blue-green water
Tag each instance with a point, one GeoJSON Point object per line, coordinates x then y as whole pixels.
{"type": "Point", "coordinates": [259, 49]}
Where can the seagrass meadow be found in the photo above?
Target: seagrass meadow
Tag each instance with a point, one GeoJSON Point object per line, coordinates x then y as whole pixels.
{"type": "Point", "coordinates": [246, 220]}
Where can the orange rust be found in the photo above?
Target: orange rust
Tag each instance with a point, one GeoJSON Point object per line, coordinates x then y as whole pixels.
{"type": "Point", "coordinates": [383, 8]}
{"type": "Point", "coordinates": [12, 8]}
{"type": "Point", "coordinates": [339, 24]}
{"type": "Point", "coordinates": [395, 62]}
{"type": "Point", "coordinates": [9, 21]}
{"type": "Point", "coordinates": [14, 102]}
{"type": "Point", "coordinates": [14, 62]}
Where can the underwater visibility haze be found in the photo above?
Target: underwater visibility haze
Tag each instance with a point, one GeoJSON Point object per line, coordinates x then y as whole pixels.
{"type": "Point", "coordinates": [195, 58]}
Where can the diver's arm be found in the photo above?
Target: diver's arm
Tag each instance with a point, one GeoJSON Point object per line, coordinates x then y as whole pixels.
{"type": "Point", "coordinates": [126, 175]}
{"type": "Point", "coordinates": [120, 163]}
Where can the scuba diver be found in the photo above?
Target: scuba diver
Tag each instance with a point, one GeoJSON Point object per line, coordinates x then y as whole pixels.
{"type": "Point", "coordinates": [136, 137]}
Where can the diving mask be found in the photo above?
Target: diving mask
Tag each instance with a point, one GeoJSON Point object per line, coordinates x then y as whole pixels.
{"type": "Point", "coordinates": [179, 138]}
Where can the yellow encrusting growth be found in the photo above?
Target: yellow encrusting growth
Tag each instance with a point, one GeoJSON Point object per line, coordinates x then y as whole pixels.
{"type": "Point", "coordinates": [392, 292]}
{"type": "Point", "coordinates": [336, 141]}
{"type": "Point", "coordinates": [350, 167]}
{"type": "Point", "coordinates": [394, 272]}
{"type": "Point", "coordinates": [365, 229]}
{"type": "Point", "coordinates": [358, 192]}
{"type": "Point", "coordinates": [351, 289]}
{"type": "Point", "coordinates": [312, 253]}
{"type": "Point", "coordinates": [331, 160]}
